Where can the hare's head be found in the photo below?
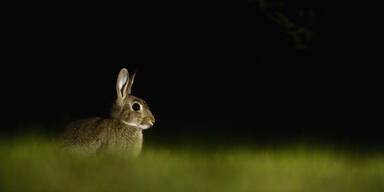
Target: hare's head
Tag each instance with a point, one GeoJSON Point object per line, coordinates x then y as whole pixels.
{"type": "Point", "coordinates": [129, 109]}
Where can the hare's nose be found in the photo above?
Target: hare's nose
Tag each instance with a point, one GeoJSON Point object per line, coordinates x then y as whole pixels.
{"type": "Point", "coordinates": [152, 121]}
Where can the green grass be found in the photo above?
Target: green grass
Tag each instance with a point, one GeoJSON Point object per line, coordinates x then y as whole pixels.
{"type": "Point", "coordinates": [39, 165]}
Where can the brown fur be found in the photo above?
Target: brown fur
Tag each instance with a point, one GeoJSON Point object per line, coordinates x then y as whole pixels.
{"type": "Point", "coordinates": [96, 134]}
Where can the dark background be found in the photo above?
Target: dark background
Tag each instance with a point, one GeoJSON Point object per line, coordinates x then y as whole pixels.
{"type": "Point", "coordinates": [211, 73]}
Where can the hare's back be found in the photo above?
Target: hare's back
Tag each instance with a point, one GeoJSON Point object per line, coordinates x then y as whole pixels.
{"type": "Point", "coordinates": [84, 132]}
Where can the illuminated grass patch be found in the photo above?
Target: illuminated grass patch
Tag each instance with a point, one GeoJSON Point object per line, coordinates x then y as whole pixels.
{"type": "Point", "coordinates": [38, 165]}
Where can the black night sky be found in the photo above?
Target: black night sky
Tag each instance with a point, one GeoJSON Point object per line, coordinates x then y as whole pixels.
{"type": "Point", "coordinates": [210, 73]}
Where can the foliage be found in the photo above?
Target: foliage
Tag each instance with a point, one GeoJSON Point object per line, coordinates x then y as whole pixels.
{"type": "Point", "coordinates": [39, 165]}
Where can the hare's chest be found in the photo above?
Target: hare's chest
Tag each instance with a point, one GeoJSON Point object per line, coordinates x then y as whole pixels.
{"type": "Point", "coordinates": [127, 140]}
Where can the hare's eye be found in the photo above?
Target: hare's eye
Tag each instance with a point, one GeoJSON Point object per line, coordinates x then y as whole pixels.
{"type": "Point", "coordinates": [136, 107]}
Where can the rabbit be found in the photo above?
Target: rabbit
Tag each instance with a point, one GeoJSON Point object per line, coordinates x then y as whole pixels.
{"type": "Point", "coordinates": [121, 132]}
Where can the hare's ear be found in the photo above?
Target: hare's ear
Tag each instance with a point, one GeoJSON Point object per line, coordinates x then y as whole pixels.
{"type": "Point", "coordinates": [122, 83]}
{"type": "Point", "coordinates": [130, 83]}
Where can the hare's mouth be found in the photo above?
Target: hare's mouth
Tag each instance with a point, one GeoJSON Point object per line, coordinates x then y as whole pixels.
{"type": "Point", "coordinates": [137, 126]}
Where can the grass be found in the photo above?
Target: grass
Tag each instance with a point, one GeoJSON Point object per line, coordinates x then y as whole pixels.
{"type": "Point", "coordinates": [39, 165]}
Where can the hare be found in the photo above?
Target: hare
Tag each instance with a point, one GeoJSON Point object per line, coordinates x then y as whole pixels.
{"type": "Point", "coordinates": [121, 132]}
